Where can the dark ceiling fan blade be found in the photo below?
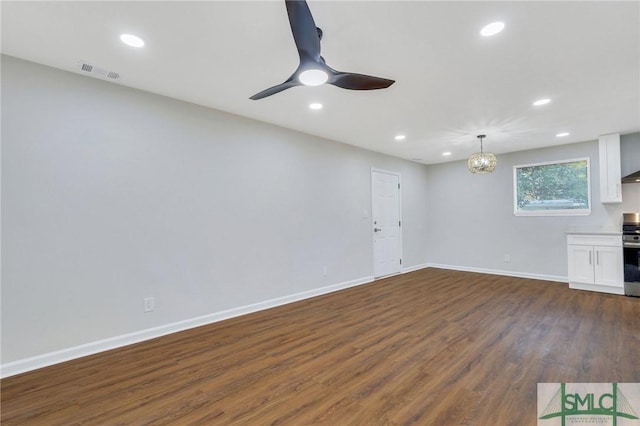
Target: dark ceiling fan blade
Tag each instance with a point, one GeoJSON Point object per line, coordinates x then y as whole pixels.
{"type": "Point", "coordinates": [304, 30]}
{"type": "Point", "coordinates": [312, 65]}
{"type": "Point", "coordinates": [348, 80]}
{"type": "Point", "coordinates": [275, 89]}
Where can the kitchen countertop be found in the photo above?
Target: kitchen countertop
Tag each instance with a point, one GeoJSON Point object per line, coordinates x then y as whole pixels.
{"type": "Point", "coordinates": [594, 231]}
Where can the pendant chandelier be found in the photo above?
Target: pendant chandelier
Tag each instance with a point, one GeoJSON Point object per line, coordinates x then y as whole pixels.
{"type": "Point", "coordinates": [482, 162]}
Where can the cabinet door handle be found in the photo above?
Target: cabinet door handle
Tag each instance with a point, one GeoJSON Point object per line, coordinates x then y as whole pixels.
{"type": "Point", "coordinates": [597, 257]}
{"type": "Point", "coordinates": [589, 257]}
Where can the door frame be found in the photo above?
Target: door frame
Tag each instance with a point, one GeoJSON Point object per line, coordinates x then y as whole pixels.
{"type": "Point", "coordinates": [373, 256]}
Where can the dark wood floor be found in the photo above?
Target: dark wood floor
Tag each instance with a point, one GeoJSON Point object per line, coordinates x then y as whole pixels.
{"type": "Point", "coordinates": [432, 347]}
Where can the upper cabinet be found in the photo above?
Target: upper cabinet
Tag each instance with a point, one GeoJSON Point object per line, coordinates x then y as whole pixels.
{"type": "Point", "coordinates": [610, 173]}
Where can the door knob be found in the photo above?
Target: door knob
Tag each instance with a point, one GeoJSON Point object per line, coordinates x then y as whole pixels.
{"type": "Point", "coordinates": [377, 229]}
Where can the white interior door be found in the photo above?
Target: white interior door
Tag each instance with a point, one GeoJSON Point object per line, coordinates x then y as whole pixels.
{"type": "Point", "coordinates": [385, 215]}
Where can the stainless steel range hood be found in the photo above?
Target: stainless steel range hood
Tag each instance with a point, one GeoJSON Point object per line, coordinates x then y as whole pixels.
{"type": "Point", "coordinates": [632, 178]}
{"type": "Point", "coordinates": [630, 157]}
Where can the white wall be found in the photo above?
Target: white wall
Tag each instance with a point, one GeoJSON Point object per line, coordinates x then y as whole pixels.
{"type": "Point", "coordinates": [472, 218]}
{"type": "Point", "coordinates": [631, 197]}
{"type": "Point", "coordinates": [111, 194]}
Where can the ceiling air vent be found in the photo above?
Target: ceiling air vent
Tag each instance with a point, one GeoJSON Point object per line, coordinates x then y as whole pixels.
{"type": "Point", "coordinates": [98, 72]}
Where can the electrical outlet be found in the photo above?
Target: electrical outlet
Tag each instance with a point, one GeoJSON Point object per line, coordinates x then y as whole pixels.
{"type": "Point", "coordinates": [507, 258]}
{"type": "Point", "coordinates": [149, 304]}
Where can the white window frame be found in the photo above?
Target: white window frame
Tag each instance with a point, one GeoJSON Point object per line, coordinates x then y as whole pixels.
{"type": "Point", "coordinates": [549, 212]}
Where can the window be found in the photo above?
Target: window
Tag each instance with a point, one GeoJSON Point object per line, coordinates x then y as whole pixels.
{"type": "Point", "coordinates": [552, 189]}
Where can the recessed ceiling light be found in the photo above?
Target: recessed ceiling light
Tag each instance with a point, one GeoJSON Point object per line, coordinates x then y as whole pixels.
{"type": "Point", "coordinates": [446, 154]}
{"type": "Point", "coordinates": [400, 137]}
{"type": "Point", "coordinates": [313, 77]}
{"type": "Point", "coordinates": [541, 102]}
{"type": "Point", "coordinates": [637, 180]}
{"type": "Point", "coordinates": [492, 29]}
{"type": "Point", "coordinates": [131, 40]}
{"type": "Point", "coordinates": [315, 105]}
{"type": "Point", "coordinates": [562, 135]}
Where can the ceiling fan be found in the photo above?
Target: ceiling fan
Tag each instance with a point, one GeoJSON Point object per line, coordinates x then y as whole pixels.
{"type": "Point", "coordinates": [313, 70]}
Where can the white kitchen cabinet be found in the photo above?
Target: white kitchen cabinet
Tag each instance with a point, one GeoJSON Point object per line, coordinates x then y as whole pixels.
{"type": "Point", "coordinates": [581, 264]}
{"type": "Point", "coordinates": [610, 168]}
{"type": "Point", "coordinates": [595, 262]}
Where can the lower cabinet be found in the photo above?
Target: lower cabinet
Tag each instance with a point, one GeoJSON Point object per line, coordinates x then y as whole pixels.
{"type": "Point", "coordinates": [595, 263]}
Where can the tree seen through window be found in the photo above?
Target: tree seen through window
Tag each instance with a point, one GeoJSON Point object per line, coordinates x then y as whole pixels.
{"type": "Point", "coordinates": [553, 186]}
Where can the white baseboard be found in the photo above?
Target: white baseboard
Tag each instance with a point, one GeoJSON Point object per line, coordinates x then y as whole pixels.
{"type": "Point", "coordinates": [56, 357]}
{"type": "Point", "coordinates": [542, 277]}
{"type": "Point", "coordinates": [414, 268]}
{"type": "Point", "coordinates": [598, 288]}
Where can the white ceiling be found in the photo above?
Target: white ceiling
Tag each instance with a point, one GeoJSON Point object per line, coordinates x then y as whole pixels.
{"type": "Point", "coordinates": [451, 83]}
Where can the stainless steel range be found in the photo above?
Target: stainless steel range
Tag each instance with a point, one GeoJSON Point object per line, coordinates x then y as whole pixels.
{"type": "Point", "coordinates": [631, 250]}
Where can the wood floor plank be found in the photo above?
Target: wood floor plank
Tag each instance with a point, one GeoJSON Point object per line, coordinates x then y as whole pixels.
{"type": "Point", "coordinates": [432, 347]}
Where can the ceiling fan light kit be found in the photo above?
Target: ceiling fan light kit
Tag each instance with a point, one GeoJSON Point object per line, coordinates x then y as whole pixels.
{"type": "Point", "coordinates": [482, 162]}
{"type": "Point", "coordinates": [313, 77]}
{"type": "Point", "coordinates": [313, 70]}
